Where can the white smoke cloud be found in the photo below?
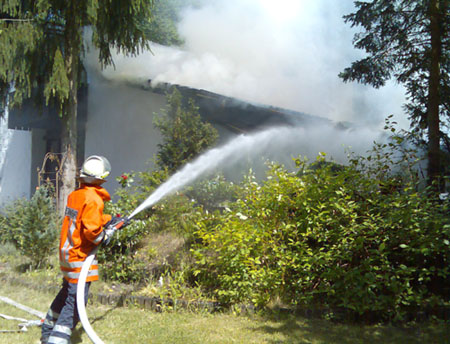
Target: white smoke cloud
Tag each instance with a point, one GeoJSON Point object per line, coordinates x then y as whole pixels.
{"type": "Point", "coordinates": [285, 53]}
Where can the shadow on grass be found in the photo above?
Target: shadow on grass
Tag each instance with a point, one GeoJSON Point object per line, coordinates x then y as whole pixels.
{"type": "Point", "coordinates": [76, 334]}
{"type": "Point", "coordinates": [295, 329]}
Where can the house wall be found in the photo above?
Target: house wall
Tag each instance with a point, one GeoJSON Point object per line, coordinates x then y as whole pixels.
{"type": "Point", "coordinates": [15, 169]}
{"type": "Point", "coordinates": [119, 126]}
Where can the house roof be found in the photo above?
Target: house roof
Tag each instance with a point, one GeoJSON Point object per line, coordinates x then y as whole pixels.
{"type": "Point", "coordinates": [237, 115]}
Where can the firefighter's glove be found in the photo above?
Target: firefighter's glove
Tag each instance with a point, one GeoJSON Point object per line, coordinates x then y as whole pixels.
{"type": "Point", "coordinates": [109, 232]}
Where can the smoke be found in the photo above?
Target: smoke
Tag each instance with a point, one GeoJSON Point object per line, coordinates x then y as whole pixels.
{"type": "Point", "coordinates": [285, 53]}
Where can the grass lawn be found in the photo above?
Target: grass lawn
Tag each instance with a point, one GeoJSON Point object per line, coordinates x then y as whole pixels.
{"type": "Point", "coordinates": [133, 325]}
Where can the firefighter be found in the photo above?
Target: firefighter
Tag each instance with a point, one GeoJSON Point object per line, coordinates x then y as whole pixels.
{"type": "Point", "coordinates": [82, 230]}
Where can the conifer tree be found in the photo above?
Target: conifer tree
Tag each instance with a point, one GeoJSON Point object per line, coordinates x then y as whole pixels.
{"type": "Point", "coordinates": [41, 46]}
{"type": "Point", "coordinates": [184, 134]}
{"type": "Point", "coordinates": [408, 40]}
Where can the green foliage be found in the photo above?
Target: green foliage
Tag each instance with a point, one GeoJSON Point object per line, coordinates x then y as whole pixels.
{"type": "Point", "coordinates": [127, 199]}
{"type": "Point", "coordinates": [366, 237]}
{"type": "Point", "coordinates": [408, 41]}
{"type": "Point", "coordinates": [127, 34]}
{"type": "Point", "coordinates": [344, 238]}
{"type": "Point", "coordinates": [161, 27]}
{"type": "Point", "coordinates": [125, 180]}
{"type": "Point", "coordinates": [32, 226]}
{"type": "Point", "coordinates": [124, 267]}
{"type": "Point", "coordinates": [4, 235]}
{"type": "Point", "coordinates": [17, 40]}
{"type": "Point", "coordinates": [397, 160]}
{"type": "Point", "coordinates": [213, 193]}
{"type": "Point", "coordinates": [178, 214]}
{"type": "Point", "coordinates": [58, 84]}
{"type": "Point", "coordinates": [122, 259]}
{"type": "Point", "coordinates": [397, 38]}
{"type": "Point", "coordinates": [150, 180]}
{"type": "Point", "coordinates": [185, 135]}
{"type": "Point", "coordinates": [118, 258]}
{"type": "Point", "coordinates": [174, 285]}
{"type": "Point", "coordinates": [41, 42]}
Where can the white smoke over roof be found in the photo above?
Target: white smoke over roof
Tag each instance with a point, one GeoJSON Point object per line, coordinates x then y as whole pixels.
{"type": "Point", "coordinates": [285, 53]}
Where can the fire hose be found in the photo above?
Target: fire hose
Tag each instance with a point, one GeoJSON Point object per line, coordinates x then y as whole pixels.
{"type": "Point", "coordinates": [82, 285]}
{"type": "Point", "coordinates": [24, 322]}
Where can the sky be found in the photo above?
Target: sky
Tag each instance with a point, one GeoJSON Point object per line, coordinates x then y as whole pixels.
{"type": "Point", "coordinates": [284, 53]}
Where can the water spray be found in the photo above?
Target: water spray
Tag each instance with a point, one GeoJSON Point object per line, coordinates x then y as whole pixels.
{"type": "Point", "coordinates": [211, 159]}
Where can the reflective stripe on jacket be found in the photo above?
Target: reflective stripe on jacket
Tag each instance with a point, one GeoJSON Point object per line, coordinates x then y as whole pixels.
{"type": "Point", "coordinates": [82, 230]}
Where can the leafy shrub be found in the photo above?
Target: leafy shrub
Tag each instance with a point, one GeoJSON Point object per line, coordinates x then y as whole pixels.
{"type": "Point", "coordinates": [344, 238]}
{"type": "Point", "coordinates": [124, 268]}
{"type": "Point", "coordinates": [32, 226]}
{"type": "Point", "coordinates": [213, 193]}
{"type": "Point", "coordinates": [364, 237]}
{"type": "Point", "coordinates": [177, 213]}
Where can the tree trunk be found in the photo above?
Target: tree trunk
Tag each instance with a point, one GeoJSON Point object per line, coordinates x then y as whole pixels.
{"type": "Point", "coordinates": [433, 96]}
{"type": "Point", "coordinates": [69, 144]}
{"type": "Point", "coordinates": [69, 126]}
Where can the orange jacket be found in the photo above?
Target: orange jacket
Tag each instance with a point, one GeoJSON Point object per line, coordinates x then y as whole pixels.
{"type": "Point", "coordinates": [82, 230]}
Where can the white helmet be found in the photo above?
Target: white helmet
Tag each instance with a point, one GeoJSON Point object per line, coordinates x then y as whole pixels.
{"type": "Point", "coordinates": [94, 170]}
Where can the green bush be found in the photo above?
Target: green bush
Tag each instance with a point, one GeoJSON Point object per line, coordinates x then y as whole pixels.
{"type": "Point", "coordinates": [366, 237]}
{"type": "Point", "coordinates": [32, 226]}
{"type": "Point", "coordinates": [213, 193]}
{"type": "Point", "coordinates": [177, 214]}
{"type": "Point", "coordinates": [340, 238]}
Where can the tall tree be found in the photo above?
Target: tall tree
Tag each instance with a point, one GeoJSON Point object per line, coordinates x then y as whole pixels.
{"type": "Point", "coordinates": [41, 47]}
{"type": "Point", "coordinates": [409, 40]}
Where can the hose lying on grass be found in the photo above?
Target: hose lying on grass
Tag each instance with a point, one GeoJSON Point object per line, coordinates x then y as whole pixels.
{"type": "Point", "coordinates": [24, 322]}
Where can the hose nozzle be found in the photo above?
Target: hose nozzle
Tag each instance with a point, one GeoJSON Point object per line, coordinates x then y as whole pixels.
{"type": "Point", "coordinates": [123, 223]}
